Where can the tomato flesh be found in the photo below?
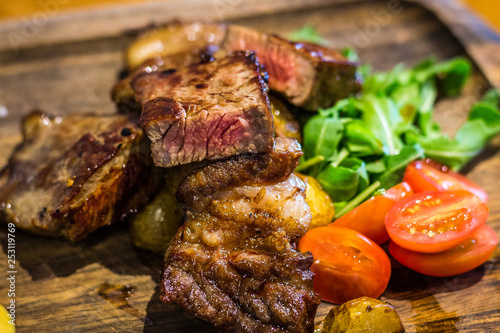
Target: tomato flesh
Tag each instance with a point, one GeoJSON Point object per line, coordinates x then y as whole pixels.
{"type": "Point", "coordinates": [347, 265]}
{"type": "Point", "coordinates": [467, 255]}
{"type": "Point", "coordinates": [428, 176]}
{"type": "Point", "coordinates": [369, 217]}
{"type": "Point", "coordinates": [435, 221]}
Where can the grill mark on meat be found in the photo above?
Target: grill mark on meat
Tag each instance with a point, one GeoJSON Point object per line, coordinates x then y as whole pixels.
{"type": "Point", "coordinates": [307, 75]}
{"type": "Point", "coordinates": [235, 98]}
{"type": "Point", "coordinates": [234, 262]}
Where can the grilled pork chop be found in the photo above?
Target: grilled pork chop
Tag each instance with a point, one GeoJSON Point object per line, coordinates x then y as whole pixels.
{"type": "Point", "coordinates": [206, 111]}
{"type": "Point", "coordinates": [234, 262]}
{"type": "Point", "coordinates": [73, 175]}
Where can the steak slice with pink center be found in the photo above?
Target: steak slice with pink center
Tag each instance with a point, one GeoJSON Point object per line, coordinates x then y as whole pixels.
{"type": "Point", "coordinates": [208, 110]}
{"type": "Point", "coordinates": [307, 75]}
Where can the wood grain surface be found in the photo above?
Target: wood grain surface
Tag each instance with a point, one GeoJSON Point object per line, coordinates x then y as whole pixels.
{"type": "Point", "coordinates": [104, 284]}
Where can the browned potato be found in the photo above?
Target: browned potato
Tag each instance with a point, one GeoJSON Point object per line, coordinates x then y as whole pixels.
{"type": "Point", "coordinates": [322, 209]}
{"type": "Point", "coordinates": [285, 125]}
{"type": "Point", "coordinates": [172, 39]}
{"type": "Point", "coordinates": [364, 314]}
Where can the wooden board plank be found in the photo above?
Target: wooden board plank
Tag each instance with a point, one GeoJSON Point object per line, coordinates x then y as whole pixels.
{"type": "Point", "coordinates": [63, 287]}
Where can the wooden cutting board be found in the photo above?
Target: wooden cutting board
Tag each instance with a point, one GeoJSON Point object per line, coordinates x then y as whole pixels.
{"type": "Point", "coordinates": [69, 62]}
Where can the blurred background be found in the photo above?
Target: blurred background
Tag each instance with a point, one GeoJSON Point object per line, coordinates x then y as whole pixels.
{"type": "Point", "coordinates": [489, 10]}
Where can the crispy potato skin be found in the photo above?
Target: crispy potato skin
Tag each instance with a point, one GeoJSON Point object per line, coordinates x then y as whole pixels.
{"type": "Point", "coordinates": [364, 314]}
{"type": "Point", "coordinates": [320, 203]}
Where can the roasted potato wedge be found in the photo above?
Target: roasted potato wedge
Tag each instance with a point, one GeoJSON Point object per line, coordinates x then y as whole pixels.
{"type": "Point", "coordinates": [364, 314]}
{"type": "Point", "coordinates": [320, 203]}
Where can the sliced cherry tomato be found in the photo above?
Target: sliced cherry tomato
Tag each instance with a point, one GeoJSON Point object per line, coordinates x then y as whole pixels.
{"type": "Point", "coordinates": [369, 217]}
{"type": "Point", "coordinates": [435, 221]}
{"type": "Point", "coordinates": [467, 255]}
{"type": "Point", "coordinates": [347, 265]}
{"type": "Point", "coordinates": [426, 175]}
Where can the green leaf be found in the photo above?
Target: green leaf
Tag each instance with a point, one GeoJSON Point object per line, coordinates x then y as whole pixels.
{"type": "Point", "coordinates": [350, 54]}
{"type": "Point", "coordinates": [396, 165]}
{"type": "Point", "coordinates": [482, 125]}
{"type": "Point", "coordinates": [488, 112]}
{"type": "Point", "coordinates": [345, 207]}
{"type": "Point", "coordinates": [382, 81]}
{"type": "Point", "coordinates": [375, 167]}
{"type": "Point", "coordinates": [343, 182]}
{"type": "Point", "coordinates": [360, 140]}
{"type": "Point", "coordinates": [445, 150]}
{"type": "Point", "coordinates": [492, 97]}
{"type": "Point", "coordinates": [379, 113]}
{"type": "Point", "coordinates": [453, 75]}
{"type": "Point", "coordinates": [308, 34]}
{"type": "Point", "coordinates": [322, 136]}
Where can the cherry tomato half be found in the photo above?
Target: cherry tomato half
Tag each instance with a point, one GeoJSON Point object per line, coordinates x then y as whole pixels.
{"type": "Point", "coordinates": [347, 265]}
{"type": "Point", "coordinates": [435, 221]}
{"type": "Point", "coordinates": [426, 175]}
{"type": "Point", "coordinates": [369, 217]}
{"type": "Point", "coordinates": [467, 255]}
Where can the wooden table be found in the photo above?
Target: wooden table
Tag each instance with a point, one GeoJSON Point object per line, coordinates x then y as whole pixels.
{"type": "Point", "coordinates": [104, 284]}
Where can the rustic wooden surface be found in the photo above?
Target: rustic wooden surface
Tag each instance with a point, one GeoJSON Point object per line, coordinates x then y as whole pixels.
{"type": "Point", "coordinates": [104, 284]}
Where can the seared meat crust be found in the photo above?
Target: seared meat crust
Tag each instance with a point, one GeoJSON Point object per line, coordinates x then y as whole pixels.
{"type": "Point", "coordinates": [73, 175]}
{"type": "Point", "coordinates": [206, 111]}
{"type": "Point", "coordinates": [234, 262]}
{"type": "Point", "coordinates": [307, 75]}
{"type": "Point", "coordinates": [123, 94]}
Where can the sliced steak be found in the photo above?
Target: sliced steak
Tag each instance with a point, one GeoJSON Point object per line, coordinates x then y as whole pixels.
{"type": "Point", "coordinates": [206, 111]}
{"type": "Point", "coordinates": [234, 263]}
{"type": "Point", "coordinates": [123, 94]}
{"type": "Point", "coordinates": [73, 175]}
{"type": "Point", "coordinates": [308, 75]}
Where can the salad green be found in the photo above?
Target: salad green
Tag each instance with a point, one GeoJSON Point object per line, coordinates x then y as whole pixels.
{"type": "Point", "coordinates": [363, 144]}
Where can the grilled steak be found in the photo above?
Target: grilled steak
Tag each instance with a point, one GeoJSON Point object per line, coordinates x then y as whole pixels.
{"type": "Point", "coordinates": [73, 175]}
{"type": "Point", "coordinates": [308, 75]}
{"type": "Point", "coordinates": [123, 94]}
{"type": "Point", "coordinates": [206, 111]}
{"type": "Point", "coordinates": [234, 262]}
